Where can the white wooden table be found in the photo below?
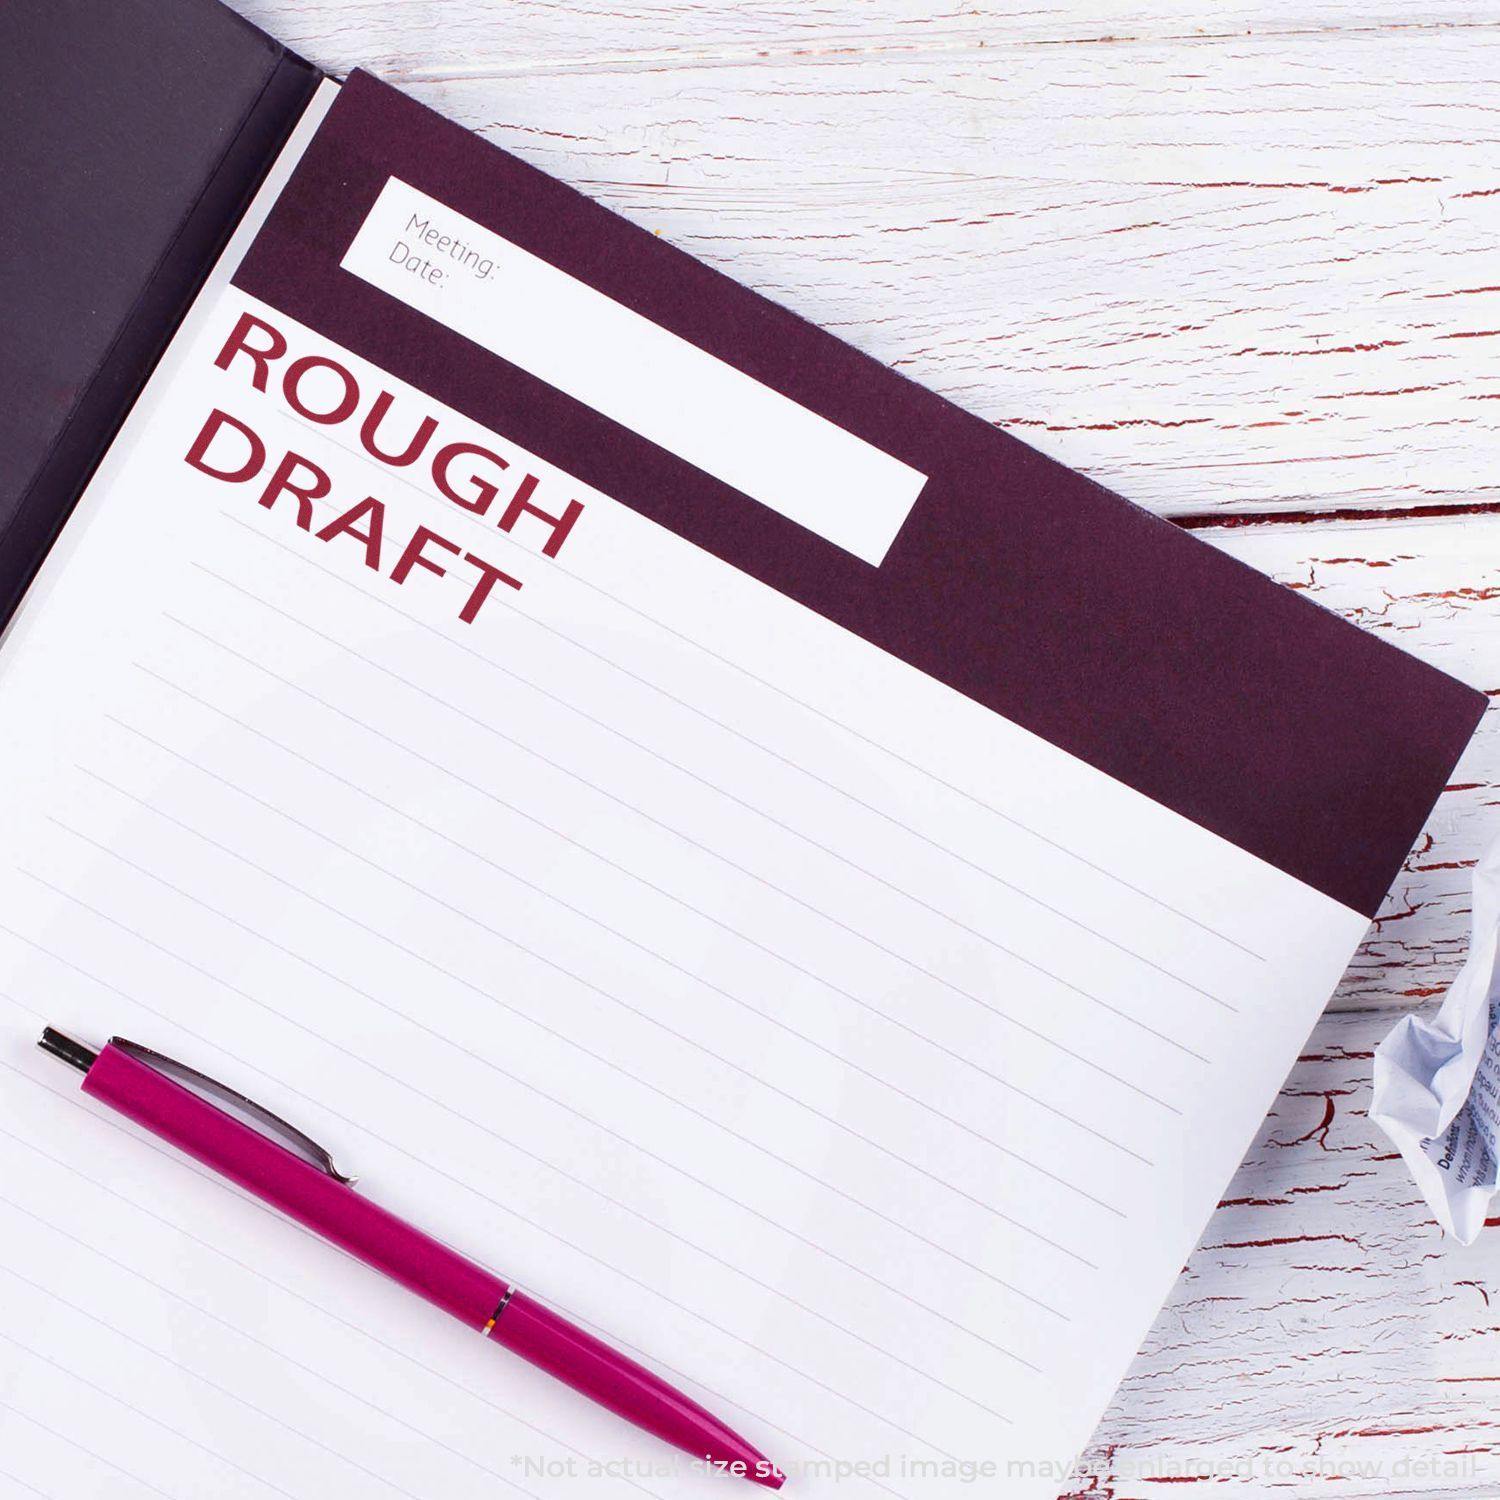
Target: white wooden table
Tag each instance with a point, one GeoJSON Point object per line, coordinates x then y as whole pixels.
{"type": "Point", "coordinates": [1241, 263]}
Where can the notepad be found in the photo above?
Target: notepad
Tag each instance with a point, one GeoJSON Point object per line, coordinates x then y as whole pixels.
{"type": "Point", "coordinates": [799, 881]}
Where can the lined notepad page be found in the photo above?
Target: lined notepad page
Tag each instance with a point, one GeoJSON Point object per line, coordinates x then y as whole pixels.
{"type": "Point", "coordinates": [857, 1059]}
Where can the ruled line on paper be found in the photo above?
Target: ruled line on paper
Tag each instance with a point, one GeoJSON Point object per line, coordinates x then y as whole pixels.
{"type": "Point", "coordinates": [688, 771]}
{"type": "Point", "coordinates": [243, 1197]}
{"type": "Point", "coordinates": [634, 875]}
{"type": "Point", "coordinates": [884, 749]}
{"type": "Point", "coordinates": [717, 989]}
{"type": "Point", "coordinates": [599, 1192]}
{"type": "Point", "coordinates": [633, 807]}
{"type": "Point", "coordinates": [16, 1479]}
{"type": "Point", "coordinates": [487, 994]}
{"type": "Point", "coordinates": [1129, 1084]}
{"type": "Point", "coordinates": [382, 1412]}
{"type": "Point", "coordinates": [490, 1405]}
{"type": "Point", "coordinates": [507, 1209]}
{"type": "Point", "coordinates": [645, 1015]}
{"type": "Point", "coordinates": [687, 838]}
{"type": "Point", "coordinates": [457, 1181]}
{"type": "Point", "coordinates": [541, 890]}
{"type": "Point", "coordinates": [618, 1203]}
{"type": "Point", "coordinates": [562, 569]}
{"type": "Point", "coordinates": [69, 1441]}
{"type": "Point", "coordinates": [615, 1202]}
{"type": "Point", "coordinates": [213, 1385]}
{"type": "Point", "coordinates": [145, 1416]}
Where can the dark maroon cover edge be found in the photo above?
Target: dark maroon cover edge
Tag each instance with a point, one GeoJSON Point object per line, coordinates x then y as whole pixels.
{"type": "Point", "coordinates": [1034, 591]}
{"type": "Point", "coordinates": [132, 135]}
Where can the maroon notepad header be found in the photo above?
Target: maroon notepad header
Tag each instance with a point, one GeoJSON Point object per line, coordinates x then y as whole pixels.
{"type": "Point", "coordinates": [1032, 590]}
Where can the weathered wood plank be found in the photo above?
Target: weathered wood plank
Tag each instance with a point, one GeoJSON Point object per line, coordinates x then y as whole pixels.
{"type": "Point", "coordinates": [1247, 272]}
{"type": "Point", "coordinates": [1250, 273]}
{"type": "Point", "coordinates": [1323, 1335]}
{"type": "Point", "coordinates": [426, 38]}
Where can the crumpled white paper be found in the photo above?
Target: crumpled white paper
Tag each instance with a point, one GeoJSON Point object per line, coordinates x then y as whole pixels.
{"type": "Point", "coordinates": [1437, 1081]}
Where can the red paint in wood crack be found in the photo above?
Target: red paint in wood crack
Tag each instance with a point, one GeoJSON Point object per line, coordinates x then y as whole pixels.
{"type": "Point", "coordinates": [1383, 1432]}
{"type": "Point", "coordinates": [1405, 390]}
{"type": "Point", "coordinates": [1287, 1239]}
{"type": "Point", "coordinates": [1467, 594]}
{"type": "Point", "coordinates": [1210, 519]}
{"type": "Point", "coordinates": [1337, 348]}
{"type": "Point", "coordinates": [1319, 1132]}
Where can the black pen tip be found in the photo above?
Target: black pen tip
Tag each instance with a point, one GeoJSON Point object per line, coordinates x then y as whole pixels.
{"type": "Point", "coordinates": [75, 1054]}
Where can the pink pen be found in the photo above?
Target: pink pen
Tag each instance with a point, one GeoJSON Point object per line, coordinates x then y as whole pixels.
{"type": "Point", "coordinates": [304, 1184]}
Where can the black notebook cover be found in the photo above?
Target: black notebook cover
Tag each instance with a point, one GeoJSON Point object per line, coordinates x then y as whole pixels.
{"type": "Point", "coordinates": [132, 133]}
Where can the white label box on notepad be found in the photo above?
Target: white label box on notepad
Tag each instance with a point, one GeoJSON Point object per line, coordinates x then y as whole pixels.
{"type": "Point", "coordinates": [669, 391]}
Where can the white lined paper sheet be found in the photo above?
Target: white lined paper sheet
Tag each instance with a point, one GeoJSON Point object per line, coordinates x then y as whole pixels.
{"type": "Point", "coordinates": [858, 1059]}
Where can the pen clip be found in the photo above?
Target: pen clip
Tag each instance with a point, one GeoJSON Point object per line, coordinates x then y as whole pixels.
{"type": "Point", "coordinates": [295, 1140]}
